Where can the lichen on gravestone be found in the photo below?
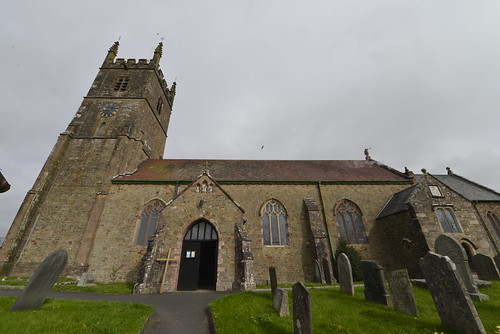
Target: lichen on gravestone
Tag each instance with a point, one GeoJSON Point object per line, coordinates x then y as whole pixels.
{"type": "Point", "coordinates": [452, 301]}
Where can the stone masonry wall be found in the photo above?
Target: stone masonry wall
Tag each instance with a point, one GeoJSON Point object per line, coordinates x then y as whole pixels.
{"type": "Point", "coordinates": [401, 243]}
{"type": "Point", "coordinates": [482, 209]}
{"type": "Point", "coordinates": [114, 247]}
{"type": "Point", "coordinates": [296, 261]}
{"type": "Point", "coordinates": [424, 204]}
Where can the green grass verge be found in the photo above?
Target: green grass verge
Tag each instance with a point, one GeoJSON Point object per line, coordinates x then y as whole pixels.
{"type": "Point", "coordinates": [335, 312]}
{"type": "Point", "coordinates": [111, 288]}
{"type": "Point", "coordinates": [74, 316]}
{"type": "Point", "coordinates": [289, 285]}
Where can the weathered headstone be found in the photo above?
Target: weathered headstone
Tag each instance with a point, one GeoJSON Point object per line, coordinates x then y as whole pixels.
{"type": "Point", "coordinates": [273, 279]}
{"type": "Point", "coordinates": [402, 292]}
{"type": "Point", "coordinates": [87, 279]}
{"type": "Point", "coordinates": [302, 314]}
{"type": "Point", "coordinates": [485, 267]}
{"type": "Point", "coordinates": [373, 279]}
{"type": "Point", "coordinates": [452, 301]}
{"type": "Point", "coordinates": [449, 246]}
{"type": "Point", "coordinates": [345, 274]}
{"type": "Point", "coordinates": [280, 302]}
{"type": "Point", "coordinates": [497, 260]}
{"type": "Point", "coordinates": [41, 282]}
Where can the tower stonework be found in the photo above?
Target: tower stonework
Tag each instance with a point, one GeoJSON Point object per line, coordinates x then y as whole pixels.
{"type": "Point", "coordinates": [122, 121]}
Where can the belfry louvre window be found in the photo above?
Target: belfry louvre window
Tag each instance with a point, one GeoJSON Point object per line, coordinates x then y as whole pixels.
{"type": "Point", "coordinates": [274, 225]}
{"type": "Point", "coordinates": [121, 84]}
{"type": "Point", "coordinates": [494, 222]}
{"type": "Point", "coordinates": [148, 222]}
{"type": "Point", "coordinates": [448, 221]}
{"type": "Point", "coordinates": [351, 227]}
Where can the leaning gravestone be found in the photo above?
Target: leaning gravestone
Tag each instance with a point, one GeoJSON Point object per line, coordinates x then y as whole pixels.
{"type": "Point", "coordinates": [497, 260]}
{"type": "Point", "coordinates": [302, 315]}
{"type": "Point", "coordinates": [345, 274]}
{"type": "Point", "coordinates": [280, 302]}
{"type": "Point", "coordinates": [452, 301]}
{"type": "Point", "coordinates": [273, 279]}
{"type": "Point", "coordinates": [41, 282]}
{"type": "Point", "coordinates": [402, 292]}
{"type": "Point", "coordinates": [449, 246]}
{"type": "Point", "coordinates": [485, 267]}
{"type": "Point", "coordinates": [373, 279]}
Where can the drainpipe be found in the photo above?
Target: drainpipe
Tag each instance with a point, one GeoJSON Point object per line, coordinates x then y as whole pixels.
{"type": "Point", "coordinates": [485, 226]}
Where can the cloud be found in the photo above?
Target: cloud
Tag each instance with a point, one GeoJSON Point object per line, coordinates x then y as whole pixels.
{"type": "Point", "coordinates": [415, 81]}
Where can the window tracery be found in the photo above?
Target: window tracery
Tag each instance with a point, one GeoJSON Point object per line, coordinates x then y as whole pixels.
{"type": "Point", "coordinates": [148, 222]}
{"type": "Point", "coordinates": [274, 224]}
{"type": "Point", "coordinates": [448, 221]}
{"type": "Point", "coordinates": [494, 222]}
{"type": "Point", "coordinates": [350, 222]}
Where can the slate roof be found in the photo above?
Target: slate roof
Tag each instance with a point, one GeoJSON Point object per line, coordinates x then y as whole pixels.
{"type": "Point", "coordinates": [182, 170]}
{"type": "Point", "coordinates": [397, 203]}
{"type": "Point", "coordinates": [470, 190]}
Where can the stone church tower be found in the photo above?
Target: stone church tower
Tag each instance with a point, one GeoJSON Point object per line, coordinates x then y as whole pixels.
{"type": "Point", "coordinates": [121, 122]}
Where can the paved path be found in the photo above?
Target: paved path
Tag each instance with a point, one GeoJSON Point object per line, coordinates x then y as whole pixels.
{"type": "Point", "coordinates": [175, 313]}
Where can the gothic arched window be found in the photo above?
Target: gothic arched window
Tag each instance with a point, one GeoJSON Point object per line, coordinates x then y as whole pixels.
{"type": "Point", "coordinates": [148, 222]}
{"type": "Point", "coordinates": [274, 225]}
{"type": "Point", "coordinates": [448, 221]}
{"type": "Point", "coordinates": [494, 222]}
{"type": "Point", "coordinates": [350, 222]}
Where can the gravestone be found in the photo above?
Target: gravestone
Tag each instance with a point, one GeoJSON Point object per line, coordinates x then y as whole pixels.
{"type": "Point", "coordinates": [345, 274]}
{"type": "Point", "coordinates": [41, 282]}
{"type": "Point", "coordinates": [302, 315]}
{"type": "Point", "coordinates": [273, 279]}
{"type": "Point", "coordinates": [87, 279]}
{"type": "Point", "coordinates": [485, 267]}
{"type": "Point", "coordinates": [402, 292]}
{"type": "Point", "coordinates": [373, 279]}
{"type": "Point", "coordinates": [497, 260]}
{"type": "Point", "coordinates": [449, 246]}
{"type": "Point", "coordinates": [452, 301]}
{"type": "Point", "coordinates": [280, 302]}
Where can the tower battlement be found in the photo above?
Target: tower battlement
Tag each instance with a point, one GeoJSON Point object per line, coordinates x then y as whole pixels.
{"type": "Point", "coordinates": [142, 64]}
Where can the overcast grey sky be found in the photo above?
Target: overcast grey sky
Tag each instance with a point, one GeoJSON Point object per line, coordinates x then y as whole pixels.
{"type": "Point", "coordinates": [417, 81]}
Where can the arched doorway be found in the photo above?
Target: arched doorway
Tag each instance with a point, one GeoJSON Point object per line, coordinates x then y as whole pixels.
{"type": "Point", "coordinates": [198, 268]}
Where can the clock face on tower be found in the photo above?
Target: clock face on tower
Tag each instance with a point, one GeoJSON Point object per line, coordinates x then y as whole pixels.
{"type": "Point", "coordinates": [109, 110]}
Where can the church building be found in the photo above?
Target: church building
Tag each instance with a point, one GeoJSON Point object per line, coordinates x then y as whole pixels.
{"type": "Point", "coordinates": [123, 213]}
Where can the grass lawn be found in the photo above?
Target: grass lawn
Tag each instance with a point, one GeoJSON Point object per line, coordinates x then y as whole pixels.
{"type": "Point", "coordinates": [72, 316]}
{"type": "Point", "coordinates": [335, 312]}
{"type": "Point", "coordinates": [111, 288]}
